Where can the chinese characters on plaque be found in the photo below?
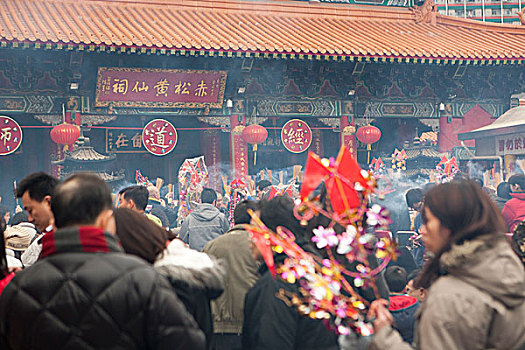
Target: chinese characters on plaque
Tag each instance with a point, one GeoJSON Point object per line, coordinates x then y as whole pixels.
{"type": "Point", "coordinates": [161, 88]}
{"type": "Point", "coordinates": [296, 136]}
{"type": "Point", "coordinates": [510, 144]}
{"type": "Point", "coordinates": [159, 137]}
{"type": "Point", "coordinates": [124, 141]}
{"type": "Point", "coordinates": [10, 135]}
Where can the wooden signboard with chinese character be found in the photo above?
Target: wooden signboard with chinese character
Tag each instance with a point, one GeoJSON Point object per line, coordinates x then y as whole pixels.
{"type": "Point", "coordinates": [10, 135]}
{"type": "Point", "coordinates": [159, 137]}
{"type": "Point", "coordinates": [296, 136]}
{"type": "Point", "coordinates": [160, 88]}
{"type": "Point", "coordinates": [510, 144]}
{"type": "Point", "coordinates": [124, 141]}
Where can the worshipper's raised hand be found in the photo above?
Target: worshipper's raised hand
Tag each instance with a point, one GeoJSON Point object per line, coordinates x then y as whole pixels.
{"type": "Point", "coordinates": [380, 315]}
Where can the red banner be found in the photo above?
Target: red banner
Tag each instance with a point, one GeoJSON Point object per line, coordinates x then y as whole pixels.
{"type": "Point", "coordinates": [239, 150]}
{"type": "Point", "coordinates": [131, 87]}
{"type": "Point", "coordinates": [348, 137]}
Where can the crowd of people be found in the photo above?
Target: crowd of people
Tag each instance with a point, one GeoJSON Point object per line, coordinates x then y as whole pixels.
{"type": "Point", "coordinates": [84, 268]}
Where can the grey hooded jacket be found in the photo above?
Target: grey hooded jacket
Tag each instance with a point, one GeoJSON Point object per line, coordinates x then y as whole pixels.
{"type": "Point", "coordinates": [479, 304]}
{"type": "Point", "coordinates": [203, 224]}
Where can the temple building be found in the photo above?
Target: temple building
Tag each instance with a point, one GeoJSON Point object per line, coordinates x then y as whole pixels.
{"type": "Point", "coordinates": [159, 81]}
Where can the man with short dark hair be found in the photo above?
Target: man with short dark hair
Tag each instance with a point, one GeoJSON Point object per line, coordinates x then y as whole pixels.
{"type": "Point", "coordinates": [90, 294]}
{"type": "Point", "coordinates": [36, 191]}
{"type": "Point", "coordinates": [136, 198]}
{"type": "Point", "coordinates": [234, 249]}
{"type": "Point", "coordinates": [204, 223]}
{"type": "Point", "coordinates": [514, 209]}
{"type": "Point", "coordinates": [402, 306]}
{"type": "Point", "coordinates": [261, 185]}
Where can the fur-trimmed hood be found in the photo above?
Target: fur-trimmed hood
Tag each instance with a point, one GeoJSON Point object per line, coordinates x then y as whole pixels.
{"type": "Point", "coordinates": [475, 263]}
{"type": "Point", "coordinates": [198, 270]}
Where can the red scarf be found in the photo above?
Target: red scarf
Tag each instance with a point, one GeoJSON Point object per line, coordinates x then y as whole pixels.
{"type": "Point", "coordinates": [83, 239]}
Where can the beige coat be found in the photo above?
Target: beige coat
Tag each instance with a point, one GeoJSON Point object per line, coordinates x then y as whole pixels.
{"type": "Point", "coordinates": [233, 248]}
{"type": "Point", "coordinates": [479, 304]}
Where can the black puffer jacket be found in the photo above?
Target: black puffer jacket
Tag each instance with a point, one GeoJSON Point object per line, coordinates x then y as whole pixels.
{"type": "Point", "coordinates": [196, 278]}
{"type": "Point", "coordinates": [93, 297]}
{"type": "Point", "coordinates": [271, 322]}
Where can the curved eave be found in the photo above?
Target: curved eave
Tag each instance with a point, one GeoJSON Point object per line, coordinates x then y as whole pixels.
{"type": "Point", "coordinates": [266, 29]}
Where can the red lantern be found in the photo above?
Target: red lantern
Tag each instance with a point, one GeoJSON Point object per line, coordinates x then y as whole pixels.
{"type": "Point", "coordinates": [254, 134]}
{"type": "Point", "coordinates": [65, 134]}
{"type": "Point", "coordinates": [368, 134]}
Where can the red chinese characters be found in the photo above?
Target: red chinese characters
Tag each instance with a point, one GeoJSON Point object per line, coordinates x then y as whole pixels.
{"type": "Point", "coordinates": [10, 135]}
{"type": "Point", "coordinates": [159, 137]}
{"type": "Point", "coordinates": [296, 136]}
{"type": "Point", "coordinates": [162, 88]}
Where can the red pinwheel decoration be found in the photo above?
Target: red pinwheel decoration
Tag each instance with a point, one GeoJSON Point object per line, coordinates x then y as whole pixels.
{"type": "Point", "coordinates": [448, 164]}
{"type": "Point", "coordinates": [236, 183]}
{"type": "Point", "coordinates": [340, 177]}
{"type": "Point", "coordinates": [399, 160]}
{"type": "Point", "coordinates": [275, 191]}
{"type": "Point", "coordinates": [141, 179]}
{"type": "Point", "coordinates": [447, 168]}
{"type": "Point", "coordinates": [377, 165]}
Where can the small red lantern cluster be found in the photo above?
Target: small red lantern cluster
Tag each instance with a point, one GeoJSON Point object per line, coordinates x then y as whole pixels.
{"type": "Point", "coordinates": [254, 134]}
{"type": "Point", "coordinates": [368, 134]}
{"type": "Point", "coordinates": [65, 134]}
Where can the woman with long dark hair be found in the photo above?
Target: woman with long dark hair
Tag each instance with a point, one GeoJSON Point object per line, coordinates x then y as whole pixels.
{"type": "Point", "coordinates": [477, 283]}
{"type": "Point", "coordinates": [195, 277]}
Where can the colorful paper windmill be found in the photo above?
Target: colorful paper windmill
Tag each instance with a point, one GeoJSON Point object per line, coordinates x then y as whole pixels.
{"type": "Point", "coordinates": [341, 178]}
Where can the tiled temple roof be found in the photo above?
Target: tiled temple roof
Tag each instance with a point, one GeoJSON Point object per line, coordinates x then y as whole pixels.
{"type": "Point", "coordinates": [252, 28]}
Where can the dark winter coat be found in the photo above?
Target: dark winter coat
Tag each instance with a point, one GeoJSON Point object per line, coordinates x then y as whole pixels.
{"type": "Point", "coordinates": [271, 322]}
{"type": "Point", "coordinates": [196, 278]}
{"type": "Point", "coordinates": [500, 202]}
{"type": "Point", "coordinates": [514, 210]}
{"type": "Point", "coordinates": [403, 309]}
{"type": "Point", "coordinates": [156, 208]}
{"type": "Point", "coordinates": [404, 260]}
{"type": "Point", "coordinates": [92, 296]}
{"type": "Point", "coordinates": [203, 224]}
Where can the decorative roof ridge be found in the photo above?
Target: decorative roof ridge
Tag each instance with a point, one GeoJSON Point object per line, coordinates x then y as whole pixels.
{"type": "Point", "coordinates": [290, 8]}
{"type": "Point", "coordinates": [479, 25]}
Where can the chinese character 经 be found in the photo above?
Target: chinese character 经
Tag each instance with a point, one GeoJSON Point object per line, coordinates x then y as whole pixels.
{"type": "Point", "coordinates": [138, 88]}
{"type": "Point", "coordinates": [121, 140]}
{"type": "Point", "coordinates": [162, 87]}
{"type": "Point", "coordinates": [5, 135]}
{"type": "Point", "coordinates": [120, 86]}
{"type": "Point", "coordinates": [182, 88]}
{"type": "Point", "coordinates": [137, 143]}
{"type": "Point", "coordinates": [201, 89]}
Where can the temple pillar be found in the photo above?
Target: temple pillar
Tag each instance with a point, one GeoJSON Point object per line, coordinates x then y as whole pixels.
{"type": "Point", "coordinates": [238, 148]}
{"type": "Point", "coordinates": [317, 142]}
{"type": "Point", "coordinates": [348, 137]}
{"type": "Point", "coordinates": [212, 157]}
